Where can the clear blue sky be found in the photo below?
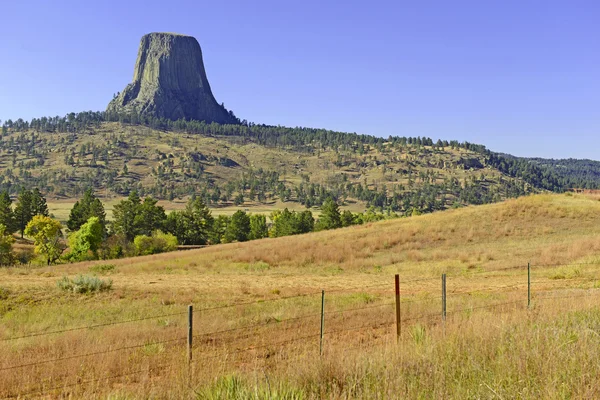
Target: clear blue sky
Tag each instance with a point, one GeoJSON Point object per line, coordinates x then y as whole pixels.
{"type": "Point", "coordinates": [521, 77]}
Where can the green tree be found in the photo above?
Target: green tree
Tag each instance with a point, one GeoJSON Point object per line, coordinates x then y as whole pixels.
{"type": "Point", "coordinates": [238, 228]}
{"type": "Point", "coordinates": [7, 216]}
{"type": "Point", "coordinates": [258, 227]}
{"type": "Point", "coordinates": [239, 199]}
{"type": "Point", "coordinates": [150, 217]}
{"type": "Point", "coordinates": [218, 229]}
{"type": "Point", "coordinates": [305, 222]}
{"type": "Point", "coordinates": [89, 206]}
{"type": "Point", "coordinates": [6, 241]}
{"type": "Point", "coordinates": [192, 226]}
{"type": "Point", "coordinates": [159, 242]}
{"type": "Point", "coordinates": [287, 222]}
{"type": "Point", "coordinates": [23, 210]}
{"type": "Point", "coordinates": [38, 203]}
{"type": "Point", "coordinates": [347, 218]}
{"type": "Point", "coordinates": [125, 216]}
{"type": "Point", "coordinates": [47, 235]}
{"type": "Point", "coordinates": [330, 216]}
{"type": "Point", "coordinates": [87, 238]}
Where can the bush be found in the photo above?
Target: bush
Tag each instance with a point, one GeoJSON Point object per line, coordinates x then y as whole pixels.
{"type": "Point", "coordinates": [115, 246]}
{"type": "Point", "coordinates": [102, 268]}
{"type": "Point", "coordinates": [157, 243]}
{"type": "Point", "coordinates": [84, 284]}
{"type": "Point", "coordinates": [25, 256]}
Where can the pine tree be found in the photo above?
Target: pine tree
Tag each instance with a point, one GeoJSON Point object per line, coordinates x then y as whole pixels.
{"type": "Point", "coordinates": [7, 217]}
{"type": "Point", "coordinates": [330, 216]}
{"type": "Point", "coordinates": [38, 203]}
{"type": "Point", "coordinates": [23, 210]}
{"type": "Point", "coordinates": [125, 213]}
{"type": "Point", "coordinates": [89, 206]}
{"type": "Point", "coordinates": [238, 228]}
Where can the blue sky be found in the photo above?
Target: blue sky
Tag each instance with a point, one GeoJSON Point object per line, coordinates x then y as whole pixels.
{"type": "Point", "coordinates": [521, 77]}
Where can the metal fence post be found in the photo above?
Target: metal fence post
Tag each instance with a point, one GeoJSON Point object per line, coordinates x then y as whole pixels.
{"type": "Point", "coordinates": [398, 326]}
{"type": "Point", "coordinates": [443, 297]}
{"type": "Point", "coordinates": [322, 321]}
{"type": "Point", "coordinates": [528, 285]}
{"type": "Point", "coordinates": [190, 331]}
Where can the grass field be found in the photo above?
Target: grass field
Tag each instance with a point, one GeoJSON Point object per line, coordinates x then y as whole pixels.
{"type": "Point", "coordinates": [60, 209]}
{"type": "Point", "coordinates": [257, 317]}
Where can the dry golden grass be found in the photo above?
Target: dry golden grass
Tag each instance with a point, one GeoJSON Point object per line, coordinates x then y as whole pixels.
{"type": "Point", "coordinates": [267, 344]}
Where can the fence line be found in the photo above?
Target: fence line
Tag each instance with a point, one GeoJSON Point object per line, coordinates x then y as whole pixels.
{"type": "Point", "coordinates": [106, 378]}
{"type": "Point", "coordinates": [328, 333]}
{"type": "Point", "coordinates": [280, 343]}
{"type": "Point", "coordinates": [257, 325]}
{"type": "Point", "coordinates": [90, 354]}
{"type": "Point", "coordinates": [90, 326]}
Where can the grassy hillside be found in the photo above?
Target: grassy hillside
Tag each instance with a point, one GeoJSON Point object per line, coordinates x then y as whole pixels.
{"type": "Point", "coordinates": [229, 170]}
{"type": "Point", "coordinates": [257, 313]}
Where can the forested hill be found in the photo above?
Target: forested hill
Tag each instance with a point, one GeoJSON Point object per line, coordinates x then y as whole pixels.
{"type": "Point", "coordinates": [246, 162]}
{"type": "Point", "coordinates": [582, 174]}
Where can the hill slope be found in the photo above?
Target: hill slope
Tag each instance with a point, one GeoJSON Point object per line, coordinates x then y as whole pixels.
{"type": "Point", "coordinates": [402, 175]}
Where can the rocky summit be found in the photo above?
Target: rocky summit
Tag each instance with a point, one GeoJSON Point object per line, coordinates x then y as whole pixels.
{"type": "Point", "coordinates": [170, 82]}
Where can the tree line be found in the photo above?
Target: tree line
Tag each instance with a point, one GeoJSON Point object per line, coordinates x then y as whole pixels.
{"type": "Point", "coordinates": [142, 227]}
{"type": "Point", "coordinates": [547, 175]}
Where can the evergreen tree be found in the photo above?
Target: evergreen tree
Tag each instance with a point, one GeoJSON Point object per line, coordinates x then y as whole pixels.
{"type": "Point", "coordinates": [305, 222]}
{"type": "Point", "coordinates": [218, 229]}
{"type": "Point", "coordinates": [7, 256]}
{"type": "Point", "coordinates": [150, 217]}
{"type": "Point", "coordinates": [23, 210]}
{"type": "Point", "coordinates": [330, 216]}
{"type": "Point", "coordinates": [193, 225]}
{"type": "Point", "coordinates": [89, 206]}
{"type": "Point", "coordinates": [125, 216]}
{"type": "Point", "coordinates": [38, 203]}
{"type": "Point", "coordinates": [347, 218]}
{"type": "Point", "coordinates": [238, 228]}
{"type": "Point", "coordinates": [7, 217]}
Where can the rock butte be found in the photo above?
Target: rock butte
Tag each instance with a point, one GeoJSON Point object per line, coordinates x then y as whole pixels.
{"type": "Point", "coordinates": [170, 82]}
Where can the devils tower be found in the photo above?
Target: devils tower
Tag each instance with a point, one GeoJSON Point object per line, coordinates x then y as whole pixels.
{"type": "Point", "coordinates": [169, 81]}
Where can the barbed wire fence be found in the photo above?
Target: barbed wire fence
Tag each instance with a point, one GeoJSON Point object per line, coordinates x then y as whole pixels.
{"type": "Point", "coordinates": [198, 344]}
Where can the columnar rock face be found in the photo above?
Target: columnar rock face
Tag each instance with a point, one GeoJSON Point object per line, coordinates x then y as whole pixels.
{"type": "Point", "coordinates": [169, 82]}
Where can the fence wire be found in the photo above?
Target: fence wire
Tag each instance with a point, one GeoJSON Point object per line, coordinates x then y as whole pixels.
{"type": "Point", "coordinates": [278, 323]}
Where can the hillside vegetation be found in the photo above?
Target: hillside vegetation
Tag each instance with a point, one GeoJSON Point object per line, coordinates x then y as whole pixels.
{"type": "Point", "coordinates": [257, 165]}
{"type": "Point", "coordinates": [267, 299]}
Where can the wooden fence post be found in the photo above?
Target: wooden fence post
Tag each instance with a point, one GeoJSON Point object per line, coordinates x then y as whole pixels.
{"type": "Point", "coordinates": [190, 331]}
{"type": "Point", "coordinates": [322, 320]}
{"type": "Point", "coordinates": [398, 326]}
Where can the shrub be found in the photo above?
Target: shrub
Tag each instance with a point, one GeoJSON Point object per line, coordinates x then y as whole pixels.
{"type": "Point", "coordinates": [25, 256]}
{"type": "Point", "coordinates": [84, 284]}
{"type": "Point", "coordinates": [159, 242]}
{"type": "Point", "coordinates": [115, 246]}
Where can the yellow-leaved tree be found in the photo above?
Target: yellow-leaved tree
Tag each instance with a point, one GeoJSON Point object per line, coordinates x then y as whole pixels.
{"type": "Point", "coordinates": [47, 235]}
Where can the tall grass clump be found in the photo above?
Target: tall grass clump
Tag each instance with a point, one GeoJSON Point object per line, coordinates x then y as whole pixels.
{"type": "Point", "coordinates": [236, 388]}
{"type": "Point", "coordinates": [84, 284]}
